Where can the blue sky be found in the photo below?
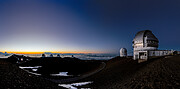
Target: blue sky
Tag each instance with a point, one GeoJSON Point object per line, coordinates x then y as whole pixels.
{"type": "Point", "coordinates": [86, 25]}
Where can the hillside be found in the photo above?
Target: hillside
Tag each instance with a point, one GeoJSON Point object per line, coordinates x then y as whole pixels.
{"type": "Point", "coordinates": [12, 77]}
{"type": "Point", "coordinates": [125, 73]}
{"type": "Point", "coordinates": [118, 73]}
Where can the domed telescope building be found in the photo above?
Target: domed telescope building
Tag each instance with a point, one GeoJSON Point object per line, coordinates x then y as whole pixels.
{"type": "Point", "coordinates": [123, 52]}
{"type": "Point", "coordinates": [145, 46]}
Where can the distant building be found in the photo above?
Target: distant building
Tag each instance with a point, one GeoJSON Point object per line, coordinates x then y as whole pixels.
{"type": "Point", "coordinates": [5, 53]}
{"type": "Point", "coordinates": [123, 52]}
{"type": "Point", "coordinates": [43, 55]}
{"type": "Point", "coordinates": [51, 55]}
{"type": "Point", "coordinates": [58, 55]}
{"type": "Point", "coordinates": [145, 46]}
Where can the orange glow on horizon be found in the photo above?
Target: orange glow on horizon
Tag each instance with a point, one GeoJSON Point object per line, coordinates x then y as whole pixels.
{"type": "Point", "coordinates": [16, 52]}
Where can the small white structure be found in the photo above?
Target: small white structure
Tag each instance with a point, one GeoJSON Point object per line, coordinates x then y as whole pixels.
{"type": "Point", "coordinates": [145, 46]}
{"type": "Point", "coordinates": [123, 52]}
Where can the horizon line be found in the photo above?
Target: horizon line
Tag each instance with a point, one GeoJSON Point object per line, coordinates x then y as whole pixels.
{"type": "Point", "coordinates": [26, 52]}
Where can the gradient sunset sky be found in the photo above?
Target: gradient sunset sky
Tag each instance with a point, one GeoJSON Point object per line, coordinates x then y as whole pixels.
{"type": "Point", "coordinates": [86, 25]}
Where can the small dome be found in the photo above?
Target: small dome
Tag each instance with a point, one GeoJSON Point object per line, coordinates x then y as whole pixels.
{"type": "Point", "coordinates": [58, 55]}
{"type": "Point", "coordinates": [43, 55]}
{"type": "Point", "coordinates": [123, 52]}
{"type": "Point", "coordinates": [51, 55]}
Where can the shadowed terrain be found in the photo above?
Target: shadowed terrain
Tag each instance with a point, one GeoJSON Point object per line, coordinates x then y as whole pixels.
{"type": "Point", "coordinates": [12, 77]}
{"type": "Point", "coordinates": [125, 73]}
{"type": "Point", "coordinates": [117, 73]}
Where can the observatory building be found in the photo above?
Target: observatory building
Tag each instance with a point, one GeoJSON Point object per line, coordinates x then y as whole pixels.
{"type": "Point", "coordinates": [123, 52]}
{"type": "Point", "coordinates": [145, 46]}
{"type": "Point", "coordinates": [58, 55]}
{"type": "Point", "coordinates": [43, 55]}
{"type": "Point", "coordinates": [51, 55]}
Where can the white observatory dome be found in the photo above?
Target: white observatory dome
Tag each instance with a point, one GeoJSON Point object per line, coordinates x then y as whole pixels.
{"type": "Point", "coordinates": [123, 52]}
{"type": "Point", "coordinates": [145, 40]}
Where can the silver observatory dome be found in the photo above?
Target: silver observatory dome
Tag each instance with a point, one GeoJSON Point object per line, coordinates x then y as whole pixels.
{"type": "Point", "coordinates": [143, 42]}
{"type": "Point", "coordinates": [123, 52]}
{"type": "Point", "coordinates": [145, 39]}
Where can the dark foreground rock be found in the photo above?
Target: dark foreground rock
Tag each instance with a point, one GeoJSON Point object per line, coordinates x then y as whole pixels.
{"type": "Point", "coordinates": [125, 73]}
{"type": "Point", "coordinates": [11, 77]}
{"type": "Point", "coordinates": [163, 73]}
{"type": "Point", "coordinates": [119, 73]}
